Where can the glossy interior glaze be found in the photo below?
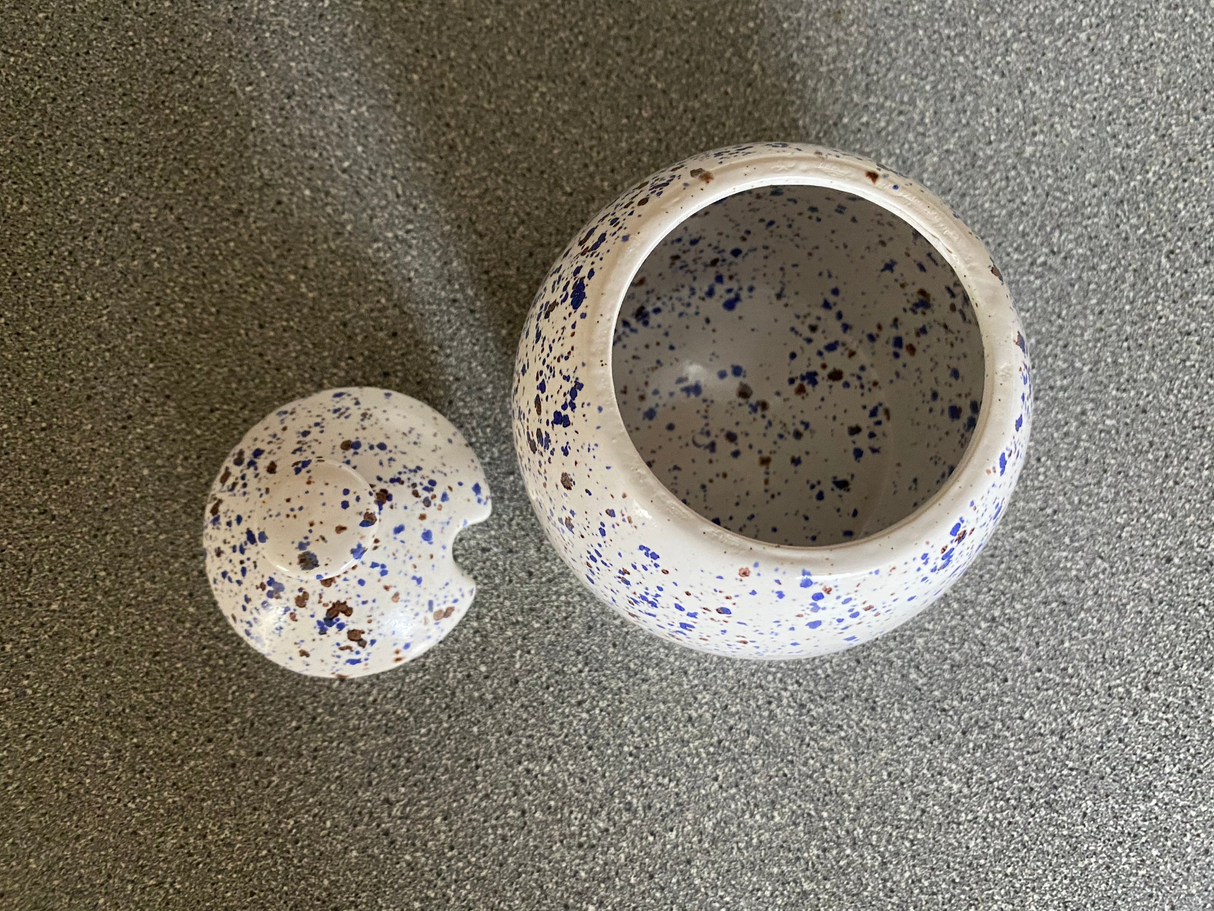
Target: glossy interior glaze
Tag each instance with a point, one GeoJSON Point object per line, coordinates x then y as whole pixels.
{"type": "Point", "coordinates": [798, 365]}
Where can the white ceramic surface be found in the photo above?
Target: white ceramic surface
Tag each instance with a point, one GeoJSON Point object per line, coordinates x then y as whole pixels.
{"type": "Point", "coordinates": [772, 401]}
{"type": "Point", "coordinates": [328, 531]}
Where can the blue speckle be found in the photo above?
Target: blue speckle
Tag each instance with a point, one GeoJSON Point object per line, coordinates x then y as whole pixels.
{"type": "Point", "coordinates": [578, 296]}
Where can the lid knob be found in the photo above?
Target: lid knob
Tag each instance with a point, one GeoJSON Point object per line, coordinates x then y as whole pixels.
{"type": "Point", "coordinates": [317, 519]}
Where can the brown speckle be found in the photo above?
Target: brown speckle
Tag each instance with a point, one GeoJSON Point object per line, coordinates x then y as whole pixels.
{"type": "Point", "coordinates": [835, 375]}
{"type": "Point", "coordinates": [382, 496]}
{"type": "Point", "coordinates": [744, 391]}
{"type": "Point", "coordinates": [227, 473]}
{"type": "Point", "coordinates": [872, 175]}
{"type": "Point", "coordinates": [307, 560]}
{"type": "Point", "coordinates": [345, 445]}
{"type": "Point", "coordinates": [338, 529]}
{"type": "Point", "coordinates": [369, 516]}
{"type": "Point", "coordinates": [566, 480]}
{"type": "Point", "coordinates": [744, 571]}
{"type": "Point", "coordinates": [271, 468]}
{"type": "Point", "coordinates": [994, 271]}
{"type": "Point", "coordinates": [304, 653]}
{"type": "Point", "coordinates": [356, 635]}
{"type": "Point", "coordinates": [301, 600]}
{"type": "Point", "coordinates": [338, 607]}
{"type": "Point", "coordinates": [215, 507]}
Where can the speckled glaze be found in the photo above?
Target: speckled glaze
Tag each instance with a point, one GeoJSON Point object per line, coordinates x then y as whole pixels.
{"type": "Point", "coordinates": [328, 531]}
{"type": "Point", "coordinates": [772, 401]}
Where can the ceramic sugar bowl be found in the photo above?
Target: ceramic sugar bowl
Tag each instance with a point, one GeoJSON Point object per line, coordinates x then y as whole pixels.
{"type": "Point", "coordinates": [772, 401]}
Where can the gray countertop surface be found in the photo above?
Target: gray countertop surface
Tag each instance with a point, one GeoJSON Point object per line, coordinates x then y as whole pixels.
{"type": "Point", "coordinates": [212, 208]}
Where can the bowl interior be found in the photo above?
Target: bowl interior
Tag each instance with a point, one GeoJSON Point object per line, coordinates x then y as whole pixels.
{"type": "Point", "coordinates": [798, 365]}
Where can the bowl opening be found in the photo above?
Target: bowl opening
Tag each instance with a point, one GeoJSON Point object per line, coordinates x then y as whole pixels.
{"type": "Point", "coordinates": [798, 365]}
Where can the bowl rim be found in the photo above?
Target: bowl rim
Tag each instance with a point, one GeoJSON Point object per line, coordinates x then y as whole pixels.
{"type": "Point", "coordinates": [788, 164]}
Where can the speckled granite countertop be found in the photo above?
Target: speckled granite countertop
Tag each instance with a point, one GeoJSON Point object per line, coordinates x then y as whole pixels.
{"type": "Point", "coordinates": [210, 209]}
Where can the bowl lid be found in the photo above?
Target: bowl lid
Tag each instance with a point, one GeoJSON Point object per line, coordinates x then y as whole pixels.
{"type": "Point", "coordinates": [329, 528]}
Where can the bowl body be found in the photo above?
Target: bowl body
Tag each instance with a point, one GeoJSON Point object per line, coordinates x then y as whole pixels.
{"type": "Point", "coordinates": [772, 401]}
